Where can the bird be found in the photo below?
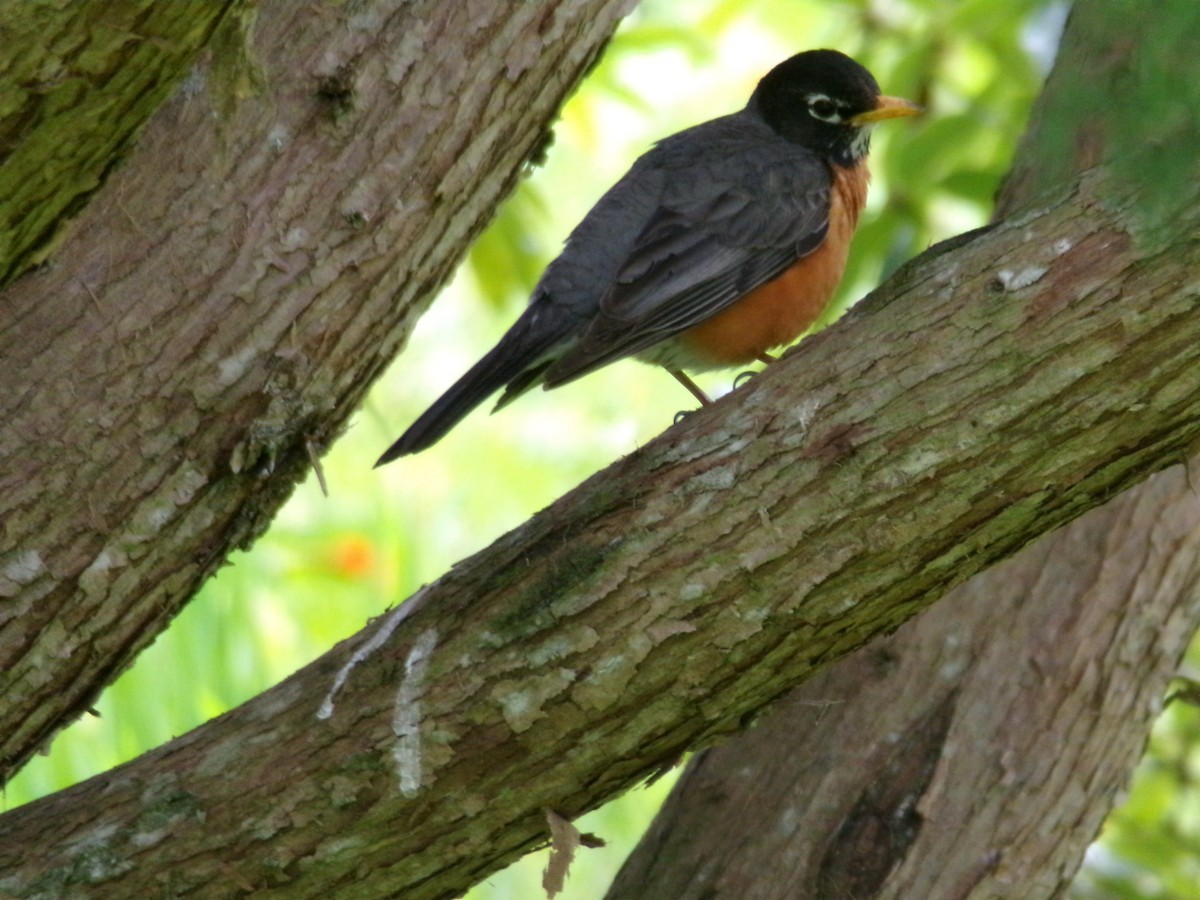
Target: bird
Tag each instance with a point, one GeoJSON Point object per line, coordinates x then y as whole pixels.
{"type": "Point", "coordinates": [721, 243]}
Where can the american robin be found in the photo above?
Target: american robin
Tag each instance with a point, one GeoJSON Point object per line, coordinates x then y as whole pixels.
{"type": "Point", "coordinates": [722, 242]}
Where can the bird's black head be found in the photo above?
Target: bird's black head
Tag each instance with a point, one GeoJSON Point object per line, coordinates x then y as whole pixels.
{"type": "Point", "coordinates": [827, 102]}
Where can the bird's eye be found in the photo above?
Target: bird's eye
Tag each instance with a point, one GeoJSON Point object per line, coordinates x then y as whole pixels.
{"type": "Point", "coordinates": [821, 107]}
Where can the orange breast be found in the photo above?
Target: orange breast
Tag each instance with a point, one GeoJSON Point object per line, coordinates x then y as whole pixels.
{"type": "Point", "coordinates": [781, 310]}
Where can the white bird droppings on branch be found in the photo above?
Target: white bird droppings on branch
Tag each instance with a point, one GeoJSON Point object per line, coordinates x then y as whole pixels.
{"type": "Point", "coordinates": [378, 639]}
{"type": "Point", "coordinates": [406, 718]}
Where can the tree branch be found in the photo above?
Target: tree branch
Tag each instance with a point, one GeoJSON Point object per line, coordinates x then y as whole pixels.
{"type": "Point", "coordinates": [973, 754]}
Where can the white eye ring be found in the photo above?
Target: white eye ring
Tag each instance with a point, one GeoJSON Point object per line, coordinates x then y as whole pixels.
{"type": "Point", "coordinates": [823, 108]}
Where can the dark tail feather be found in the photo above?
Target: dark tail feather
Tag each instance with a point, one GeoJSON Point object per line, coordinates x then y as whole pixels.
{"type": "Point", "coordinates": [506, 362]}
{"type": "Point", "coordinates": [530, 378]}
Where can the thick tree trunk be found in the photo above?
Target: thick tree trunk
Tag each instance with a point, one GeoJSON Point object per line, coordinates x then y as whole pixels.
{"type": "Point", "coordinates": [976, 752]}
{"type": "Point", "coordinates": [217, 313]}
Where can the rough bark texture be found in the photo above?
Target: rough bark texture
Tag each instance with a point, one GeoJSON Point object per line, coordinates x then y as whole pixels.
{"type": "Point", "coordinates": [946, 423]}
{"type": "Point", "coordinates": [973, 754]}
{"type": "Point", "coordinates": [219, 310]}
{"type": "Point", "coordinates": [77, 83]}
{"type": "Point", "coordinates": [976, 752]}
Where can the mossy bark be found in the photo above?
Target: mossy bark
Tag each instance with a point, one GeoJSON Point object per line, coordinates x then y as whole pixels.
{"type": "Point", "coordinates": [78, 81]}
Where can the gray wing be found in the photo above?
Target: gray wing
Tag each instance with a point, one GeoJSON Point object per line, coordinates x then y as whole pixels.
{"type": "Point", "coordinates": [738, 206]}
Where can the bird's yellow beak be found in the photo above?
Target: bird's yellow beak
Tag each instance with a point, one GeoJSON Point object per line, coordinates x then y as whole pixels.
{"type": "Point", "coordinates": [886, 108]}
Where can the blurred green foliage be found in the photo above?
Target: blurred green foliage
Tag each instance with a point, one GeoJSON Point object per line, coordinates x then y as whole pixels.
{"type": "Point", "coordinates": [328, 565]}
{"type": "Point", "coordinates": [1150, 846]}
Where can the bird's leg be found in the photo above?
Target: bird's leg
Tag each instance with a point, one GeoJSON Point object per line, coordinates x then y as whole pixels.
{"type": "Point", "coordinates": [691, 386]}
{"type": "Point", "coordinates": [766, 358]}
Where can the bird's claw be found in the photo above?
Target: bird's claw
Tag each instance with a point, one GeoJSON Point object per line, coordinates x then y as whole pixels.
{"type": "Point", "coordinates": [743, 378]}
